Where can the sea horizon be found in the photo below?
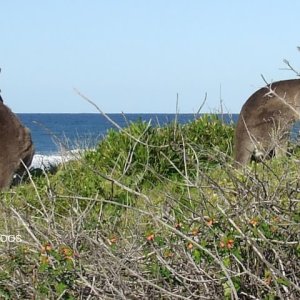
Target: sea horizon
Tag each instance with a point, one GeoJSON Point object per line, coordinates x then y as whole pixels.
{"type": "Point", "coordinates": [124, 113]}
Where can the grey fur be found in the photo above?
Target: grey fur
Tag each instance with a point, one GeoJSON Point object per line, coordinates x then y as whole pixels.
{"type": "Point", "coordinates": [265, 121]}
{"type": "Point", "coordinates": [15, 145]}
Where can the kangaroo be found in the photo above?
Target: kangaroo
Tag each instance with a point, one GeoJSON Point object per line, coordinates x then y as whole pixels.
{"type": "Point", "coordinates": [265, 121]}
{"type": "Point", "coordinates": [15, 146]}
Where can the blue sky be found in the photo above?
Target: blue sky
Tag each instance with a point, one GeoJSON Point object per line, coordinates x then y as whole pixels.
{"type": "Point", "coordinates": [135, 56]}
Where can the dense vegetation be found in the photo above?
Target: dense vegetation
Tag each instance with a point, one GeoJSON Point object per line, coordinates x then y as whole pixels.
{"type": "Point", "coordinates": [155, 213]}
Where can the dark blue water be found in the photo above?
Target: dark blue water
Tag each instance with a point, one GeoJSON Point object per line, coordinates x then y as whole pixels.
{"type": "Point", "coordinates": [53, 132]}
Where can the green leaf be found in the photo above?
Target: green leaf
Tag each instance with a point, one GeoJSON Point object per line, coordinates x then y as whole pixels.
{"type": "Point", "coordinates": [197, 256]}
{"type": "Point", "coordinates": [60, 287]}
{"type": "Point", "coordinates": [227, 290]}
{"type": "Point", "coordinates": [227, 262]}
{"type": "Point", "coordinates": [283, 281]}
{"type": "Point", "coordinates": [237, 253]}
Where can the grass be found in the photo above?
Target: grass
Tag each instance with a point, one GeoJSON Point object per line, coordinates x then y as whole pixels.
{"type": "Point", "coordinates": [155, 213]}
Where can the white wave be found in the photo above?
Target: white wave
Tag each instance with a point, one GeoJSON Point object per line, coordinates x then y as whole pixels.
{"type": "Point", "coordinates": [45, 162]}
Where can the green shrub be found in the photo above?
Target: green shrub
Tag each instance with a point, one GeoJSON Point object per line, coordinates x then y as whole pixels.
{"type": "Point", "coordinates": [142, 150]}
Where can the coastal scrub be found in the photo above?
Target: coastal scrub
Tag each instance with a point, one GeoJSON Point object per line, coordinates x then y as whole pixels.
{"type": "Point", "coordinates": [155, 213]}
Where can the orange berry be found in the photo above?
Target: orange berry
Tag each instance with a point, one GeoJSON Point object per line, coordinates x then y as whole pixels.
{"type": "Point", "coordinates": [178, 225]}
{"type": "Point", "coordinates": [150, 237]}
{"type": "Point", "coordinates": [254, 222]}
{"type": "Point", "coordinates": [113, 240]}
{"type": "Point", "coordinates": [230, 244]}
{"type": "Point", "coordinates": [46, 248]}
{"type": "Point", "coordinates": [210, 222]}
{"type": "Point", "coordinates": [66, 251]}
{"type": "Point", "coordinates": [190, 246]}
